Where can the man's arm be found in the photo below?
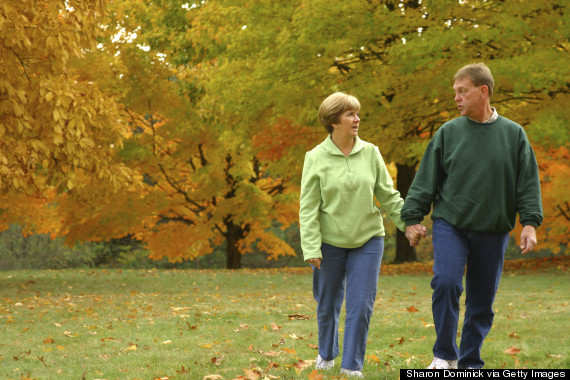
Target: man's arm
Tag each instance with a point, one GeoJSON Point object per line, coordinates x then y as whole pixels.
{"type": "Point", "coordinates": [426, 183]}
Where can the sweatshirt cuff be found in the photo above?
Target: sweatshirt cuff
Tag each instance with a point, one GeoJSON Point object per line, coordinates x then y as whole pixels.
{"type": "Point", "coordinates": [314, 255]}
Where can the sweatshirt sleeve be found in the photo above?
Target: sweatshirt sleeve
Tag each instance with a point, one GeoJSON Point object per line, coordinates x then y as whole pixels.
{"type": "Point", "coordinates": [528, 197]}
{"type": "Point", "coordinates": [309, 210]}
{"type": "Point", "coordinates": [389, 198]}
{"type": "Point", "coordinates": [426, 182]}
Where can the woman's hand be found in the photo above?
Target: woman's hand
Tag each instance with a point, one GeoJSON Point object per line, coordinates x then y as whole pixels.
{"type": "Point", "coordinates": [315, 262]}
{"type": "Point", "coordinates": [415, 233]}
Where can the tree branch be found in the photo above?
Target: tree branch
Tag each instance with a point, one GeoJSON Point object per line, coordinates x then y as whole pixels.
{"type": "Point", "coordinates": [23, 66]}
{"type": "Point", "coordinates": [564, 213]}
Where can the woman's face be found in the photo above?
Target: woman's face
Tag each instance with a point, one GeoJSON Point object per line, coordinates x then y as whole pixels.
{"type": "Point", "coordinates": [347, 124]}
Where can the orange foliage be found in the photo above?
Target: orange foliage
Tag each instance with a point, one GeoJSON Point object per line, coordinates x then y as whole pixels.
{"type": "Point", "coordinates": [555, 182]}
{"type": "Point", "coordinates": [275, 141]}
{"type": "Point", "coordinates": [36, 214]}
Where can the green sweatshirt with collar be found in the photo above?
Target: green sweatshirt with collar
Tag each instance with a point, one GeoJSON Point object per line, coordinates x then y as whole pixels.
{"type": "Point", "coordinates": [478, 176]}
{"type": "Point", "coordinates": [337, 197]}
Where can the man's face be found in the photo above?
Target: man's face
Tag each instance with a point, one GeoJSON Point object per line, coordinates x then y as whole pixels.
{"type": "Point", "coordinates": [468, 96]}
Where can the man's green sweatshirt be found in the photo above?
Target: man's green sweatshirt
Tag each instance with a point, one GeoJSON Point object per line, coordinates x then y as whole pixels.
{"type": "Point", "coordinates": [478, 176]}
{"type": "Point", "coordinates": [337, 197]}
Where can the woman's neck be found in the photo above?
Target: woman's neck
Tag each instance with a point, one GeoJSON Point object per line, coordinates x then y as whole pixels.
{"type": "Point", "coordinates": [345, 144]}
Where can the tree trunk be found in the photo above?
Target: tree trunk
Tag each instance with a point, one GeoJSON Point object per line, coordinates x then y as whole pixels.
{"type": "Point", "coordinates": [233, 235]}
{"type": "Point", "coordinates": [404, 253]}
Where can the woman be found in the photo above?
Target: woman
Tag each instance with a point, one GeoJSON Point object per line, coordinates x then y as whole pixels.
{"type": "Point", "coordinates": [342, 230]}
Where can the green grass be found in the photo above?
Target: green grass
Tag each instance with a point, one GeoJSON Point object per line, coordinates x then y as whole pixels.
{"type": "Point", "coordinates": [146, 324]}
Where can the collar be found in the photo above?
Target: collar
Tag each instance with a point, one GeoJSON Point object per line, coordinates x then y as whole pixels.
{"type": "Point", "coordinates": [331, 148]}
{"type": "Point", "coordinates": [493, 117]}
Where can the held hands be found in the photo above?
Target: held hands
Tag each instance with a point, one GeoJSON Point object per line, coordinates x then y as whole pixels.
{"type": "Point", "coordinates": [415, 233]}
{"type": "Point", "coordinates": [528, 239]}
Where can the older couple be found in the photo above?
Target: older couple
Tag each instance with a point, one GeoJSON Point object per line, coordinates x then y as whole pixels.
{"type": "Point", "coordinates": [478, 171]}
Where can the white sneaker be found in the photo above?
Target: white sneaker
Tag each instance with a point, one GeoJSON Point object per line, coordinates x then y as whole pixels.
{"type": "Point", "coordinates": [351, 372]}
{"type": "Point", "coordinates": [438, 363]}
{"type": "Point", "coordinates": [323, 364]}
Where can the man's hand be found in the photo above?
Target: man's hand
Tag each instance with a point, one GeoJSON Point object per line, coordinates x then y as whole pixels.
{"type": "Point", "coordinates": [315, 262]}
{"type": "Point", "coordinates": [414, 233]}
{"type": "Point", "coordinates": [528, 239]}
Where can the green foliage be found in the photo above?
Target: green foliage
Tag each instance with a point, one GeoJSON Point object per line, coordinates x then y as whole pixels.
{"type": "Point", "coordinates": [221, 100]}
{"type": "Point", "coordinates": [551, 129]}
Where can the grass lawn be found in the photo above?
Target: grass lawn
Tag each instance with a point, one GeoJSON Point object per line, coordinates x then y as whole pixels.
{"type": "Point", "coordinates": [257, 324]}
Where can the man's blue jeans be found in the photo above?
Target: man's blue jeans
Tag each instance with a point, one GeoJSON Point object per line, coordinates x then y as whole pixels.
{"type": "Point", "coordinates": [357, 271]}
{"type": "Point", "coordinates": [483, 254]}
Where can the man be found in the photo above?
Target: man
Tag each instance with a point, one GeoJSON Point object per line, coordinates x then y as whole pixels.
{"type": "Point", "coordinates": [479, 170]}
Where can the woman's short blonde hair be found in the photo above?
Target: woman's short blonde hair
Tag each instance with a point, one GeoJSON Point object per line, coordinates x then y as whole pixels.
{"type": "Point", "coordinates": [334, 106]}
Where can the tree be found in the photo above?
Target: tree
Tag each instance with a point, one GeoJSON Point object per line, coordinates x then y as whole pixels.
{"type": "Point", "coordinates": [208, 179]}
{"type": "Point", "coordinates": [57, 131]}
{"type": "Point", "coordinates": [221, 100]}
{"type": "Point", "coordinates": [397, 57]}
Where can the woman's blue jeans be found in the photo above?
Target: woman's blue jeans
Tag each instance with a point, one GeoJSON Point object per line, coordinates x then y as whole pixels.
{"type": "Point", "coordinates": [355, 271]}
{"type": "Point", "coordinates": [483, 254]}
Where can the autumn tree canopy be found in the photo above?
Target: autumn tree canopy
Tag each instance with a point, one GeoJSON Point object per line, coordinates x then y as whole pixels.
{"type": "Point", "coordinates": [217, 103]}
{"type": "Point", "coordinates": [58, 132]}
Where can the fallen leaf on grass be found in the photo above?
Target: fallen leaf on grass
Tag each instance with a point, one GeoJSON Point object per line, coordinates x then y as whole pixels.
{"type": "Point", "coordinates": [298, 316]}
{"type": "Point", "coordinates": [373, 358]}
{"type": "Point", "coordinates": [132, 347]}
{"type": "Point", "coordinates": [241, 328]}
{"type": "Point", "coordinates": [315, 375]}
{"type": "Point", "coordinates": [190, 327]}
{"type": "Point", "coordinates": [182, 370]}
{"type": "Point", "coordinates": [554, 356]}
{"type": "Point", "coordinates": [412, 309]}
{"type": "Point", "coordinates": [514, 335]}
{"type": "Point", "coordinates": [212, 377]}
{"type": "Point", "coordinates": [166, 342]}
{"type": "Point", "coordinates": [513, 350]}
{"type": "Point", "coordinates": [303, 364]}
{"type": "Point", "coordinates": [217, 360]}
{"type": "Point", "coordinates": [252, 374]}
{"type": "Point", "coordinates": [272, 365]}
{"type": "Point", "coordinates": [280, 343]}
{"type": "Point", "coordinates": [295, 337]}
{"type": "Point", "coordinates": [49, 341]}
{"type": "Point", "coordinates": [275, 327]}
